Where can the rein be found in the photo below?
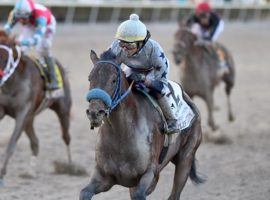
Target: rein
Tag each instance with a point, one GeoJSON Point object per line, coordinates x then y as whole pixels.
{"type": "Point", "coordinates": [110, 102]}
{"type": "Point", "coordinates": [11, 63]}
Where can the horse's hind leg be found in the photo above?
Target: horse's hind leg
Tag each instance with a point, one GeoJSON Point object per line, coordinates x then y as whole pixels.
{"type": "Point", "coordinates": [63, 112]}
{"type": "Point", "coordinates": [30, 132]}
{"type": "Point", "coordinates": [228, 89]}
{"type": "Point", "coordinates": [185, 164]}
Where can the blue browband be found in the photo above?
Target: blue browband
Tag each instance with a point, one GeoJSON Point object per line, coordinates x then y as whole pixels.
{"type": "Point", "coordinates": [111, 102]}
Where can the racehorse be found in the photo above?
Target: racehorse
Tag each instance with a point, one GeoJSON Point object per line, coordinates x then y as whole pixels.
{"type": "Point", "coordinates": [130, 139]}
{"type": "Point", "coordinates": [22, 97]}
{"type": "Point", "coordinates": [200, 75]}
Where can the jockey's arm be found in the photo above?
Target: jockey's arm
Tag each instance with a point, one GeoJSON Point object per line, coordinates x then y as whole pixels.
{"type": "Point", "coordinates": [216, 28]}
{"type": "Point", "coordinates": [10, 22]}
{"type": "Point", "coordinates": [40, 31]}
{"type": "Point", "coordinates": [158, 76]}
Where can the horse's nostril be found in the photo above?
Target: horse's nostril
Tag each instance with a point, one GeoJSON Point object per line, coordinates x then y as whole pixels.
{"type": "Point", "coordinates": [101, 112]}
{"type": "Point", "coordinates": [87, 111]}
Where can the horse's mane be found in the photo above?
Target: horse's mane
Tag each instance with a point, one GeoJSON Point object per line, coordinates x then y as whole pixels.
{"type": "Point", "coordinates": [5, 39]}
{"type": "Point", "coordinates": [184, 28]}
{"type": "Point", "coordinates": [108, 55]}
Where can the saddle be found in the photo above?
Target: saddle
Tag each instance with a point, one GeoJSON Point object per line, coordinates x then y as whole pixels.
{"type": "Point", "coordinates": [44, 73]}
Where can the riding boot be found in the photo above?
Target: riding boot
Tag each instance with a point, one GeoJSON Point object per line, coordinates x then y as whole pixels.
{"type": "Point", "coordinates": [165, 104]}
{"type": "Point", "coordinates": [53, 82]}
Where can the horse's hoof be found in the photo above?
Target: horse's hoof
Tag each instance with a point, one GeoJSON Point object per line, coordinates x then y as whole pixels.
{"type": "Point", "coordinates": [217, 138]}
{"type": "Point", "coordinates": [85, 195]}
{"type": "Point", "coordinates": [215, 127]}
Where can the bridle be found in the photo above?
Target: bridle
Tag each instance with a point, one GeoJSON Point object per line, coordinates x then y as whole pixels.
{"type": "Point", "coordinates": [117, 97]}
{"type": "Point", "coordinates": [11, 63]}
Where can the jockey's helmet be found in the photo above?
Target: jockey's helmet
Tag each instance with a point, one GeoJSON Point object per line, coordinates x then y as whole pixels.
{"type": "Point", "coordinates": [203, 7]}
{"type": "Point", "coordinates": [132, 30]}
{"type": "Point", "coordinates": [23, 8]}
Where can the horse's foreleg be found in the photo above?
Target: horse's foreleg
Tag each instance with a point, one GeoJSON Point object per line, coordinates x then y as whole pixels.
{"type": "Point", "coordinates": [19, 126]}
{"type": "Point", "coordinates": [29, 129]}
{"type": "Point", "coordinates": [185, 164]}
{"type": "Point", "coordinates": [98, 183]}
{"type": "Point", "coordinates": [140, 191]}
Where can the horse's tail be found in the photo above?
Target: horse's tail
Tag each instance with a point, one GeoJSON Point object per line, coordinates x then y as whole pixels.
{"type": "Point", "coordinates": [195, 178]}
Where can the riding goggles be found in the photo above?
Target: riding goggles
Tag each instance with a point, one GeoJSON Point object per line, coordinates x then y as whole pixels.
{"type": "Point", "coordinates": [128, 45]}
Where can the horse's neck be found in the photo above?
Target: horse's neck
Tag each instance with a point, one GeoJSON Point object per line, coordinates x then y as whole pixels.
{"type": "Point", "coordinates": [195, 56]}
{"type": "Point", "coordinates": [16, 80]}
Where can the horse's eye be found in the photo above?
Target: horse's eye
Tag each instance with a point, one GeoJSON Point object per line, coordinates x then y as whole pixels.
{"type": "Point", "coordinates": [89, 78]}
{"type": "Point", "coordinates": [114, 81]}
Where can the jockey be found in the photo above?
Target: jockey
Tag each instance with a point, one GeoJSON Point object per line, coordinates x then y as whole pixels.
{"type": "Point", "coordinates": [207, 25]}
{"type": "Point", "coordinates": [38, 30]}
{"type": "Point", "coordinates": [145, 63]}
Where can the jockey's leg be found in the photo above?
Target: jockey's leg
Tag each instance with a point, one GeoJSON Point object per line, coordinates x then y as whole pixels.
{"type": "Point", "coordinates": [166, 104]}
{"type": "Point", "coordinates": [45, 55]}
{"type": "Point", "coordinates": [53, 84]}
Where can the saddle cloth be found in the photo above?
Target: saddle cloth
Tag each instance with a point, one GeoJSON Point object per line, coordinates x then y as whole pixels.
{"type": "Point", "coordinates": [183, 112]}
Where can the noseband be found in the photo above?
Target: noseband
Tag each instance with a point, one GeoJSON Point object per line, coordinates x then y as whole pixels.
{"type": "Point", "coordinates": [11, 63]}
{"type": "Point", "coordinates": [110, 102]}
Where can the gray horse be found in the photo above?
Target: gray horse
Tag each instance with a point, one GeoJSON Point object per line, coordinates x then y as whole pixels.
{"type": "Point", "coordinates": [199, 75]}
{"type": "Point", "coordinates": [130, 139]}
{"type": "Point", "coordinates": [22, 97]}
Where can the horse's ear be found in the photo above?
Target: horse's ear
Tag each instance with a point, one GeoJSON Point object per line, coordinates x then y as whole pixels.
{"type": "Point", "coordinates": [93, 56]}
{"type": "Point", "coordinates": [182, 23]}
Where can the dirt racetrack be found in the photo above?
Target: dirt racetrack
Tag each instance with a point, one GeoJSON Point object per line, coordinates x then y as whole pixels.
{"type": "Point", "coordinates": [239, 171]}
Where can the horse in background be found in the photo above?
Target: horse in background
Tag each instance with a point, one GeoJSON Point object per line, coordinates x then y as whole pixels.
{"type": "Point", "coordinates": [200, 65]}
{"type": "Point", "coordinates": [23, 96]}
{"type": "Point", "coordinates": [130, 140]}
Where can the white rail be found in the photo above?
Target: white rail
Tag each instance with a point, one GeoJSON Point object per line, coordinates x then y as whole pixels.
{"type": "Point", "coordinates": [92, 11]}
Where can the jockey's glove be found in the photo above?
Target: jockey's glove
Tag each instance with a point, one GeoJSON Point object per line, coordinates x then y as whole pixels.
{"type": "Point", "coordinates": [136, 77]}
{"type": "Point", "coordinates": [201, 42]}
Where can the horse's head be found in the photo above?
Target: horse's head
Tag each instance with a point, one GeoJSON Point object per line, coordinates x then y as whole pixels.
{"type": "Point", "coordinates": [105, 87]}
{"type": "Point", "coordinates": [9, 56]}
{"type": "Point", "coordinates": [184, 40]}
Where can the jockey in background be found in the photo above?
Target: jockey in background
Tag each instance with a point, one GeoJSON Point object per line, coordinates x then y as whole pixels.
{"type": "Point", "coordinates": [38, 30]}
{"type": "Point", "coordinates": [145, 63]}
{"type": "Point", "coordinates": [207, 25]}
